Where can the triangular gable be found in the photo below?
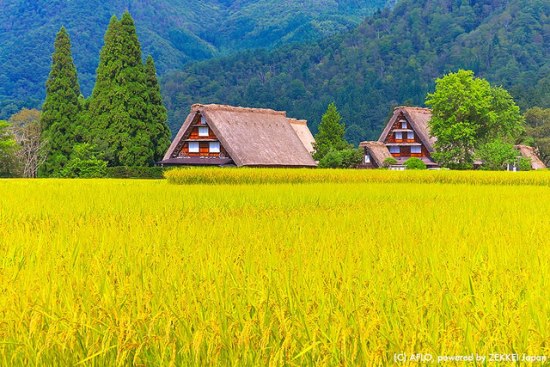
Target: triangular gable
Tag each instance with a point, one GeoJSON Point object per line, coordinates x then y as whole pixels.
{"type": "Point", "coordinates": [418, 118]}
{"type": "Point", "coordinates": [186, 131]}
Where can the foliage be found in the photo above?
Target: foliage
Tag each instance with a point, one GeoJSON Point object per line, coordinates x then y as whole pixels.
{"type": "Point", "coordinates": [84, 163]}
{"type": "Point", "coordinates": [174, 32]}
{"type": "Point", "coordinates": [524, 164]}
{"type": "Point", "coordinates": [538, 128]}
{"type": "Point", "coordinates": [331, 135]}
{"type": "Point", "coordinates": [467, 113]}
{"type": "Point", "coordinates": [8, 148]}
{"type": "Point", "coordinates": [496, 155]}
{"type": "Point", "coordinates": [332, 159]}
{"type": "Point", "coordinates": [157, 116]}
{"type": "Point", "coordinates": [136, 172]}
{"type": "Point", "coordinates": [32, 146]}
{"type": "Point", "coordinates": [390, 161]}
{"type": "Point", "coordinates": [415, 163]}
{"type": "Point", "coordinates": [119, 108]}
{"type": "Point", "coordinates": [391, 59]}
{"type": "Point", "coordinates": [61, 108]}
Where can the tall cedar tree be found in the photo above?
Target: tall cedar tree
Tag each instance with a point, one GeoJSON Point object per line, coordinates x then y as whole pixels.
{"type": "Point", "coordinates": [61, 107]}
{"type": "Point", "coordinates": [118, 109]}
{"type": "Point", "coordinates": [331, 133]}
{"type": "Point", "coordinates": [157, 116]}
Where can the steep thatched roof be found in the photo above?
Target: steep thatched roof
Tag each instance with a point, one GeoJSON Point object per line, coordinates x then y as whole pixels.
{"type": "Point", "coordinates": [377, 150]}
{"type": "Point", "coordinates": [418, 118]}
{"type": "Point", "coordinates": [251, 136]}
{"type": "Point", "coordinates": [303, 132]}
{"type": "Point", "coordinates": [529, 152]}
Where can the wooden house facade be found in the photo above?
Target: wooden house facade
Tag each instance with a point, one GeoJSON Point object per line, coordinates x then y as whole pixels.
{"type": "Point", "coordinates": [218, 135]}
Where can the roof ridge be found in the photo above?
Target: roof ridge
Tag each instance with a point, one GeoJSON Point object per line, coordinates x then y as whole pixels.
{"type": "Point", "coordinates": [220, 107]}
{"type": "Point", "coordinates": [421, 109]}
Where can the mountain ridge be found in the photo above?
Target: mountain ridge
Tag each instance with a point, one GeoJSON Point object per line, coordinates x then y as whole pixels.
{"type": "Point", "coordinates": [174, 32]}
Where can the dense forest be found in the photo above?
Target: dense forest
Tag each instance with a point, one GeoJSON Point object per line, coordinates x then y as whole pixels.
{"type": "Point", "coordinates": [391, 59]}
{"type": "Point", "coordinates": [174, 32]}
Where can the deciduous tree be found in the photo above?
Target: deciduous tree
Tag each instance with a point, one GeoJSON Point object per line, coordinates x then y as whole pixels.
{"type": "Point", "coordinates": [468, 113]}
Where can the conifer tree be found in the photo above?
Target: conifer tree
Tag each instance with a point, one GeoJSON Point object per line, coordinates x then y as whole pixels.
{"type": "Point", "coordinates": [118, 110]}
{"type": "Point", "coordinates": [61, 107]}
{"type": "Point", "coordinates": [331, 133]}
{"type": "Point", "coordinates": [157, 117]}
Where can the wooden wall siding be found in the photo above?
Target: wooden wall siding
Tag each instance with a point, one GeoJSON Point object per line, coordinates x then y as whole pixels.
{"type": "Point", "coordinates": [195, 133]}
{"type": "Point", "coordinates": [204, 151]}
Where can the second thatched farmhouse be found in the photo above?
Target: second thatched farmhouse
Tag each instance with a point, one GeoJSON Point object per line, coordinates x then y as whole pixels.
{"type": "Point", "coordinates": [219, 135]}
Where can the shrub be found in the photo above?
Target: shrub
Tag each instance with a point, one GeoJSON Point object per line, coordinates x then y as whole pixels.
{"type": "Point", "coordinates": [332, 159]}
{"type": "Point", "coordinates": [524, 164]}
{"type": "Point", "coordinates": [390, 161]}
{"type": "Point", "coordinates": [84, 163]}
{"type": "Point", "coordinates": [415, 163]}
{"type": "Point", "coordinates": [346, 158]}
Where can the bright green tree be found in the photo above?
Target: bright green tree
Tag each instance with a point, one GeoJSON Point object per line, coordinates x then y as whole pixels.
{"type": "Point", "coordinates": [331, 133]}
{"type": "Point", "coordinates": [468, 113]}
{"type": "Point", "coordinates": [8, 148]}
{"type": "Point", "coordinates": [496, 154]}
{"type": "Point", "coordinates": [157, 117]}
{"type": "Point", "coordinates": [61, 107]}
{"type": "Point", "coordinates": [119, 104]}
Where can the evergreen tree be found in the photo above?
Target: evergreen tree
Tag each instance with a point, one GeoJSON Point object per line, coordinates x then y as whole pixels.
{"type": "Point", "coordinates": [61, 107]}
{"type": "Point", "coordinates": [118, 108]}
{"type": "Point", "coordinates": [331, 133]}
{"type": "Point", "coordinates": [157, 116]}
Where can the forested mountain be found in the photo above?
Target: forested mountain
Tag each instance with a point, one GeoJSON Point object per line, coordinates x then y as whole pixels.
{"type": "Point", "coordinates": [172, 31]}
{"type": "Point", "coordinates": [391, 59]}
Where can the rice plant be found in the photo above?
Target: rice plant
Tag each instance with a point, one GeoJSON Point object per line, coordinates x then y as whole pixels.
{"type": "Point", "coordinates": [146, 273]}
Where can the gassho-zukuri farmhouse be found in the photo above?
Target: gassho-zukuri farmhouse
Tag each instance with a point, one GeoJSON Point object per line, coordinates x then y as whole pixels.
{"type": "Point", "coordinates": [220, 135]}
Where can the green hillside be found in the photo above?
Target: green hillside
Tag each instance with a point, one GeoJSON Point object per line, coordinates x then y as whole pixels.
{"type": "Point", "coordinates": [174, 32]}
{"type": "Point", "coordinates": [391, 59]}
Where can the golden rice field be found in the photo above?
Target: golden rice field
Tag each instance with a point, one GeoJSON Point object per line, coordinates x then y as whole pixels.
{"type": "Point", "coordinates": [337, 273]}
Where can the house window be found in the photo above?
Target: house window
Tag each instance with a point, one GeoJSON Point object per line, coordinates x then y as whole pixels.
{"type": "Point", "coordinates": [403, 124]}
{"type": "Point", "coordinates": [194, 147]}
{"type": "Point", "coordinates": [203, 120]}
{"type": "Point", "coordinates": [410, 135]}
{"type": "Point", "coordinates": [367, 158]}
{"type": "Point", "coordinates": [203, 130]}
{"type": "Point", "coordinates": [214, 147]}
{"type": "Point", "coordinates": [395, 149]}
{"type": "Point", "coordinates": [416, 149]}
{"type": "Point", "coordinates": [398, 135]}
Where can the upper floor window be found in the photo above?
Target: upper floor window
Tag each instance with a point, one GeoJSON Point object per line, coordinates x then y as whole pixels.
{"type": "Point", "coordinates": [395, 149]}
{"type": "Point", "coordinates": [398, 135]}
{"type": "Point", "coordinates": [214, 147]}
{"type": "Point", "coordinates": [203, 131]}
{"type": "Point", "coordinates": [410, 135]}
{"type": "Point", "coordinates": [417, 149]}
{"type": "Point", "coordinates": [194, 147]}
{"type": "Point", "coordinates": [403, 124]}
{"type": "Point", "coordinates": [203, 120]}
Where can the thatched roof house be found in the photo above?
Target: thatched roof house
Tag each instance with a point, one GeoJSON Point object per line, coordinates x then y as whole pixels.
{"type": "Point", "coordinates": [530, 153]}
{"type": "Point", "coordinates": [221, 135]}
{"type": "Point", "coordinates": [375, 154]}
{"type": "Point", "coordinates": [406, 135]}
